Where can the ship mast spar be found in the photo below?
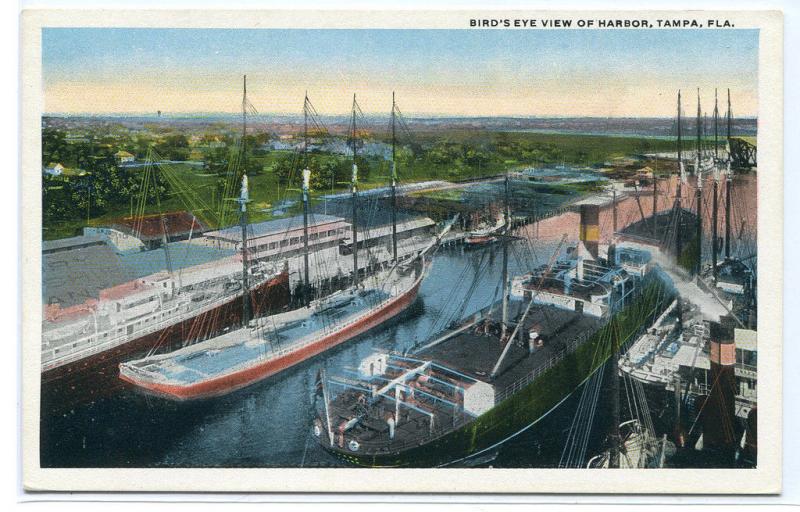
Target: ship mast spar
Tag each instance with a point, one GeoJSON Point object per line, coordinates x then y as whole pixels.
{"type": "Point", "coordinates": [699, 192]}
{"type": "Point", "coordinates": [394, 183]}
{"type": "Point", "coordinates": [678, 207]}
{"type": "Point", "coordinates": [655, 202]}
{"type": "Point", "coordinates": [306, 180]}
{"type": "Point", "coordinates": [715, 190]}
{"type": "Point", "coordinates": [354, 185]}
{"type": "Point", "coordinates": [243, 200]}
{"type": "Point", "coordinates": [728, 180]}
{"type": "Point", "coordinates": [506, 229]}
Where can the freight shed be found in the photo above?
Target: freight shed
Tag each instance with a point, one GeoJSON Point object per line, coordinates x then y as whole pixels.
{"type": "Point", "coordinates": [75, 269]}
{"type": "Point", "coordinates": [149, 230]}
{"type": "Point", "coordinates": [282, 237]}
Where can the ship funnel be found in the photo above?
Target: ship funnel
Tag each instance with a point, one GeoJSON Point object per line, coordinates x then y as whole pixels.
{"type": "Point", "coordinates": [590, 230]}
{"type": "Point", "coordinates": [719, 414]}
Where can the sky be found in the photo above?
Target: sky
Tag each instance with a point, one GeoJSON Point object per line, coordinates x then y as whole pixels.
{"type": "Point", "coordinates": [598, 73]}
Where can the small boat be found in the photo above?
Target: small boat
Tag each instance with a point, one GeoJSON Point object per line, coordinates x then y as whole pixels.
{"type": "Point", "coordinates": [486, 235]}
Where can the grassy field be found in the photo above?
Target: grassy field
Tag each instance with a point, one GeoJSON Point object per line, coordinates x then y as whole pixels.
{"type": "Point", "coordinates": [462, 155]}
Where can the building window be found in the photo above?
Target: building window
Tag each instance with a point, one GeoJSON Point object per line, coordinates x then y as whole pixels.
{"type": "Point", "coordinates": [331, 232]}
{"type": "Point", "coordinates": [284, 243]}
{"type": "Point", "coordinates": [273, 245]}
{"type": "Point", "coordinates": [295, 240]}
{"type": "Point", "coordinates": [314, 236]}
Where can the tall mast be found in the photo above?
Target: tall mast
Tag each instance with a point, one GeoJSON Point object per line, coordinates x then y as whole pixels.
{"type": "Point", "coordinates": [354, 184]}
{"type": "Point", "coordinates": [306, 180]}
{"type": "Point", "coordinates": [244, 198]}
{"type": "Point", "coordinates": [716, 125]}
{"type": "Point", "coordinates": [715, 190]}
{"type": "Point", "coordinates": [655, 201]}
{"type": "Point", "coordinates": [244, 126]}
{"type": "Point", "coordinates": [613, 460]}
{"type": "Point", "coordinates": [507, 219]}
{"type": "Point", "coordinates": [699, 192]}
{"type": "Point", "coordinates": [678, 208]}
{"type": "Point", "coordinates": [699, 133]}
{"type": "Point", "coordinates": [728, 180]}
{"type": "Point", "coordinates": [394, 184]}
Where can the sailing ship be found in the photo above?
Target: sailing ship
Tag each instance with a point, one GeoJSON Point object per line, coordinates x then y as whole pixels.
{"type": "Point", "coordinates": [494, 374]}
{"type": "Point", "coordinates": [700, 359]}
{"type": "Point", "coordinates": [670, 231]}
{"type": "Point", "coordinates": [83, 345]}
{"type": "Point", "coordinates": [731, 281]}
{"type": "Point", "coordinates": [243, 357]}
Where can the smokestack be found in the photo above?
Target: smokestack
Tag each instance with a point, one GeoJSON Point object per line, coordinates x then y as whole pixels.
{"type": "Point", "coordinates": [719, 414]}
{"type": "Point", "coordinates": [590, 228]}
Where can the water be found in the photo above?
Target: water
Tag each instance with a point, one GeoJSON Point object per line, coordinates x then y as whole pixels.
{"type": "Point", "coordinates": [268, 424]}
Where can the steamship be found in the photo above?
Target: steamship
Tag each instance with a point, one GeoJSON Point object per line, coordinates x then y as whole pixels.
{"type": "Point", "coordinates": [83, 345]}
{"type": "Point", "coordinates": [496, 373]}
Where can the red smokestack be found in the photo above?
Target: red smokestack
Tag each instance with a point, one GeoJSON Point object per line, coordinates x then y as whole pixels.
{"type": "Point", "coordinates": [719, 413]}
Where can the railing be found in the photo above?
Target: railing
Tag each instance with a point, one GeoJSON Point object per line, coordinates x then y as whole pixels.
{"type": "Point", "coordinates": [137, 333]}
{"type": "Point", "coordinates": [396, 445]}
{"type": "Point", "coordinates": [705, 389]}
{"type": "Point", "coordinates": [517, 385]}
{"type": "Point", "coordinates": [309, 339]}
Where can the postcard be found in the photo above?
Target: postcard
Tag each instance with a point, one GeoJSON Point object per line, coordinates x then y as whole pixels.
{"type": "Point", "coordinates": [376, 251]}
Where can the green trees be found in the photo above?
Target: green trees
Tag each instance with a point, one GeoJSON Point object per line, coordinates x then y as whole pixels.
{"type": "Point", "coordinates": [174, 146]}
{"type": "Point", "coordinates": [93, 184]}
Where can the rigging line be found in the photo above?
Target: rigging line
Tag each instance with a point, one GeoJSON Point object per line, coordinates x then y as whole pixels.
{"type": "Point", "coordinates": [567, 452]}
{"type": "Point", "coordinates": [592, 416]}
{"type": "Point", "coordinates": [470, 290]}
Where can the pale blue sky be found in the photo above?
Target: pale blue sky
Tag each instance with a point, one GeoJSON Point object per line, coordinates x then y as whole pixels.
{"type": "Point", "coordinates": [485, 72]}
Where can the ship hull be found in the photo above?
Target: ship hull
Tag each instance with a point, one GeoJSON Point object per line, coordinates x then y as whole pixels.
{"type": "Point", "coordinates": [229, 383]}
{"type": "Point", "coordinates": [97, 376]}
{"type": "Point", "coordinates": [526, 407]}
{"type": "Point", "coordinates": [475, 241]}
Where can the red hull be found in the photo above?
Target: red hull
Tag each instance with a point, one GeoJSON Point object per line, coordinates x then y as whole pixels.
{"type": "Point", "coordinates": [243, 378]}
{"type": "Point", "coordinates": [97, 376]}
{"type": "Point", "coordinates": [479, 240]}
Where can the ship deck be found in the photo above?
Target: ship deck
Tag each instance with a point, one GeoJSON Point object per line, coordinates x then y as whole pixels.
{"type": "Point", "coordinates": [475, 353]}
{"type": "Point", "coordinates": [240, 348]}
{"type": "Point", "coordinates": [471, 354]}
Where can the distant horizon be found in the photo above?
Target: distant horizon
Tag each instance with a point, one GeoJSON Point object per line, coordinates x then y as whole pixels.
{"type": "Point", "coordinates": [344, 115]}
{"type": "Point", "coordinates": [435, 73]}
